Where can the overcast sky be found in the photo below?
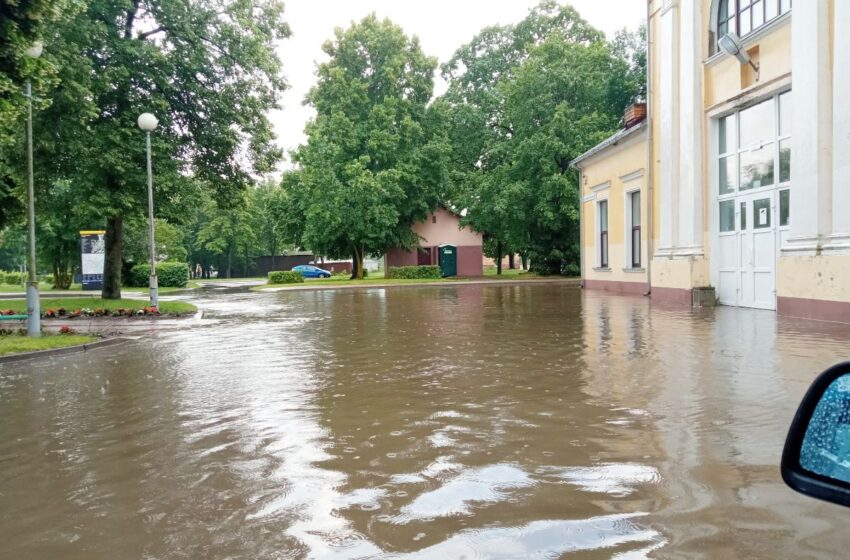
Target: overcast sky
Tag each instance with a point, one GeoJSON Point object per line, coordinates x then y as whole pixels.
{"type": "Point", "coordinates": [442, 26]}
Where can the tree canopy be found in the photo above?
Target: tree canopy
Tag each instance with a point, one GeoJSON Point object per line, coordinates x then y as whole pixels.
{"type": "Point", "coordinates": [524, 100]}
{"type": "Point", "coordinates": [375, 157]}
{"type": "Point", "coordinates": [206, 68]}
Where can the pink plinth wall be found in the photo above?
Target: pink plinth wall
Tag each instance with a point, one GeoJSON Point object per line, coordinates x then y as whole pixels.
{"type": "Point", "coordinates": [470, 260]}
{"type": "Point", "coordinates": [400, 257]}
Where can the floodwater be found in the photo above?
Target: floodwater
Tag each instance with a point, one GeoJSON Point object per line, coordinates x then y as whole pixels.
{"type": "Point", "coordinates": [460, 422]}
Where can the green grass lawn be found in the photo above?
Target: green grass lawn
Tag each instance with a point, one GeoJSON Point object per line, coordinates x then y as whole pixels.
{"type": "Point", "coordinates": [71, 304]}
{"type": "Point", "coordinates": [45, 288]}
{"type": "Point", "coordinates": [13, 343]}
{"type": "Point", "coordinates": [42, 287]}
{"type": "Point", "coordinates": [490, 272]}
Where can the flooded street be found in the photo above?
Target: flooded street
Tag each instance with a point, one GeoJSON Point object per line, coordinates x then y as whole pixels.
{"type": "Point", "coordinates": [445, 422]}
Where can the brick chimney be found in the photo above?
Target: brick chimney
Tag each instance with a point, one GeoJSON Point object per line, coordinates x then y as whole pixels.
{"type": "Point", "coordinates": [635, 114]}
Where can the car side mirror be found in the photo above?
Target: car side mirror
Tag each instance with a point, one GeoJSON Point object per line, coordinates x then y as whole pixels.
{"type": "Point", "coordinates": [816, 459]}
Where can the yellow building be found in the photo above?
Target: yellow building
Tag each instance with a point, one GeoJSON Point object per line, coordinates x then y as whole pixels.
{"type": "Point", "coordinates": [747, 184]}
{"type": "Point", "coordinates": [614, 212]}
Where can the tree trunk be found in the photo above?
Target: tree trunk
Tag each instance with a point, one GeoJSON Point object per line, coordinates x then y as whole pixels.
{"type": "Point", "coordinates": [512, 260]}
{"type": "Point", "coordinates": [114, 254]}
{"type": "Point", "coordinates": [354, 262]}
{"type": "Point", "coordinates": [357, 263]}
{"type": "Point", "coordinates": [62, 277]}
{"type": "Point", "coordinates": [245, 264]}
{"type": "Point", "coordinates": [499, 258]}
{"type": "Point", "coordinates": [362, 256]}
{"type": "Point", "coordinates": [229, 262]}
{"type": "Point", "coordinates": [524, 261]}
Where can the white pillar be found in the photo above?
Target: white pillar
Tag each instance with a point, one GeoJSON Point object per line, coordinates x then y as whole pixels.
{"type": "Point", "coordinates": [669, 130]}
{"type": "Point", "coordinates": [811, 128]}
{"type": "Point", "coordinates": [840, 238]}
{"type": "Point", "coordinates": [690, 183]}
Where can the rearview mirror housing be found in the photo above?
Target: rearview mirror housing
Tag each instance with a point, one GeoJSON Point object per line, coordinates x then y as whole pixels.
{"type": "Point", "coordinates": [816, 458]}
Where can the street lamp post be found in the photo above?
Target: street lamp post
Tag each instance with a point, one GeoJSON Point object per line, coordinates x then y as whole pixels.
{"type": "Point", "coordinates": [33, 304]}
{"type": "Point", "coordinates": [148, 122]}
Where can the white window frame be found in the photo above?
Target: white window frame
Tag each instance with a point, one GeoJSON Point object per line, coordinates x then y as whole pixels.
{"type": "Point", "coordinates": [598, 241]}
{"type": "Point", "coordinates": [628, 193]}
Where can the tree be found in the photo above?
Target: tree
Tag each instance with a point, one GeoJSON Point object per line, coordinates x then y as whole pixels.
{"type": "Point", "coordinates": [375, 157]}
{"type": "Point", "coordinates": [524, 100]}
{"type": "Point", "coordinates": [223, 232]}
{"type": "Point", "coordinates": [22, 23]}
{"type": "Point", "coordinates": [267, 208]}
{"type": "Point", "coordinates": [169, 240]}
{"type": "Point", "coordinates": [206, 68]}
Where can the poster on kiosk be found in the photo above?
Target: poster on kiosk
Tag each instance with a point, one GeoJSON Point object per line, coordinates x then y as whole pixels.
{"type": "Point", "coordinates": [93, 245]}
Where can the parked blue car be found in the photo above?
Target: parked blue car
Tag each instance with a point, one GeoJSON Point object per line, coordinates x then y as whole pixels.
{"type": "Point", "coordinates": [310, 271]}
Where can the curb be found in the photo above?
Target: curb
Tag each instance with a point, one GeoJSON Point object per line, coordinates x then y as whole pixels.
{"type": "Point", "coordinates": [62, 351]}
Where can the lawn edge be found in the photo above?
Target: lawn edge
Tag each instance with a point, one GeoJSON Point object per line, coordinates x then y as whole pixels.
{"type": "Point", "coordinates": [20, 356]}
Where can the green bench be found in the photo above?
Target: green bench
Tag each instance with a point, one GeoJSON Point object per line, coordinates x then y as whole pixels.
{"type": "Point", "coordinates": [12, 317]}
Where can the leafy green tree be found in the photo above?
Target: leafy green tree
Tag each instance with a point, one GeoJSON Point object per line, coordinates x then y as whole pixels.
{"type": "Point", "coordinates": [375, 157]}
{"type": "Point", "coordinates": [206, 68]}
{"type": "Point", "coordinates": [267, 207]}
{"type": "Point", "coordinates": [59, 223]}
{"type": "Point", "coordinates": [22, 23]}
{"type": "Point", "coordinates": [169, 239]}
{"type": "Point", "coordinates": [524, 100]}
{"type": "Point", "coordinates": [224, 232]}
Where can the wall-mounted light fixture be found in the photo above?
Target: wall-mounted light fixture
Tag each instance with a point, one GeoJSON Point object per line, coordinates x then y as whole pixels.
{"type": "Point", "coordinates": [731, 44]}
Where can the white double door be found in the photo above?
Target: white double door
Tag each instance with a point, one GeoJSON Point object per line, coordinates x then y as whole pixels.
{"type": "Point", "coordinates": [748, 278]}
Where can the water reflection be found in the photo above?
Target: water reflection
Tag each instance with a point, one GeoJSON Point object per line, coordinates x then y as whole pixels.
{"type": "Point", "coordinates": [477, 422]}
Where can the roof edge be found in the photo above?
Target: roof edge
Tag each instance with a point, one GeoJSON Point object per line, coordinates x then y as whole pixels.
{"type": "Point", "coordinates": [609, 142]}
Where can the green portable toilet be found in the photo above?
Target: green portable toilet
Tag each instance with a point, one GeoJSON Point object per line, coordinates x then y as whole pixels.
{"type": "Point", "coordinates": [448, 260]}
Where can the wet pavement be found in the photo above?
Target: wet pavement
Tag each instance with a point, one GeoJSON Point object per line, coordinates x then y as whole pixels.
{"type": "Point", "coordinates": [523, 421]}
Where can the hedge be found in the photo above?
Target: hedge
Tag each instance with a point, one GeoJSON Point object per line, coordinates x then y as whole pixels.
{"type": "Point", "coordinates": [12, 278]}
{"type": "Point", "coordinates": [169, 275]}
{"type": "Point", "coordinates": [285, 277]}
{"type": "Point", "coordinates": [414, 272]}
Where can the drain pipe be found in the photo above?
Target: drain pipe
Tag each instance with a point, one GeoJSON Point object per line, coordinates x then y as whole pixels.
{"type": "Point", "coordinates": [581, 227]}
{"type": "Point", "coordinates": [648, 174]}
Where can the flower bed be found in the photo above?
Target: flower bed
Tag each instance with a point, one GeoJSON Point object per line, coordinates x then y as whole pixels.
{"type": "Point", "coordinates": [87, 312]}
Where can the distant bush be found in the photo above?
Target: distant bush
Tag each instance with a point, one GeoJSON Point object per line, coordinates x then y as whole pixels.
{"type": "Point", "coordinates": [12, 278]}
{"type": "Point", "coordinates": [285, 277]}
{"type": "Point", "coordinates": [414, 272]}
{"type": "Point", "coordinates": [48, 279]}
{"type": "Point", "coordinates": [169, 275]}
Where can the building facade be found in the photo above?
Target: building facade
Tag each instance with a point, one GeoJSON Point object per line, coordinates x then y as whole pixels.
{"type": "Point", "coordinates": [748, 175]}
{"type": "Point", "coordinates": [613, 221]}
{"type": "Point", "coordinates": [440, 228]}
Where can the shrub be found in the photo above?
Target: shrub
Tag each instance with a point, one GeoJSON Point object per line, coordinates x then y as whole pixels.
{"type": "Point", "coordinates": [48, 279]}
{"type": "Point", "coordinates": [12, 278]}
{"type": "Point", "coordinates": [285, 277]}
{"type": "Point", "coordinates": [169, 275]}
{"type": "Point", "coordinates": [414, 272]}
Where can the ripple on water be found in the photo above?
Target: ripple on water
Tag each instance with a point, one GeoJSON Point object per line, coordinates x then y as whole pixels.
{"type": "Point", "coordinates": [618, 479]}
{"type": "Point", "coordinates": [458, 495]}
{"type": "Point", "coordinates": [546, 539]}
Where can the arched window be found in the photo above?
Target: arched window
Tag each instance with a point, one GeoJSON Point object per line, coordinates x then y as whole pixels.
{"type": "Point", "coordinates": [745, 16]}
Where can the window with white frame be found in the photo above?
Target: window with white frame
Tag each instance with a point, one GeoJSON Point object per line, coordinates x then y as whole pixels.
{"type": "Point", "coordinates": [633, 229]}
{"type": "Point", "coordinates": [742, 17]}
{"type": "Point", "coordinates": [602, 232]}
{"type": "Point", "coordinates": [754, 152]}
